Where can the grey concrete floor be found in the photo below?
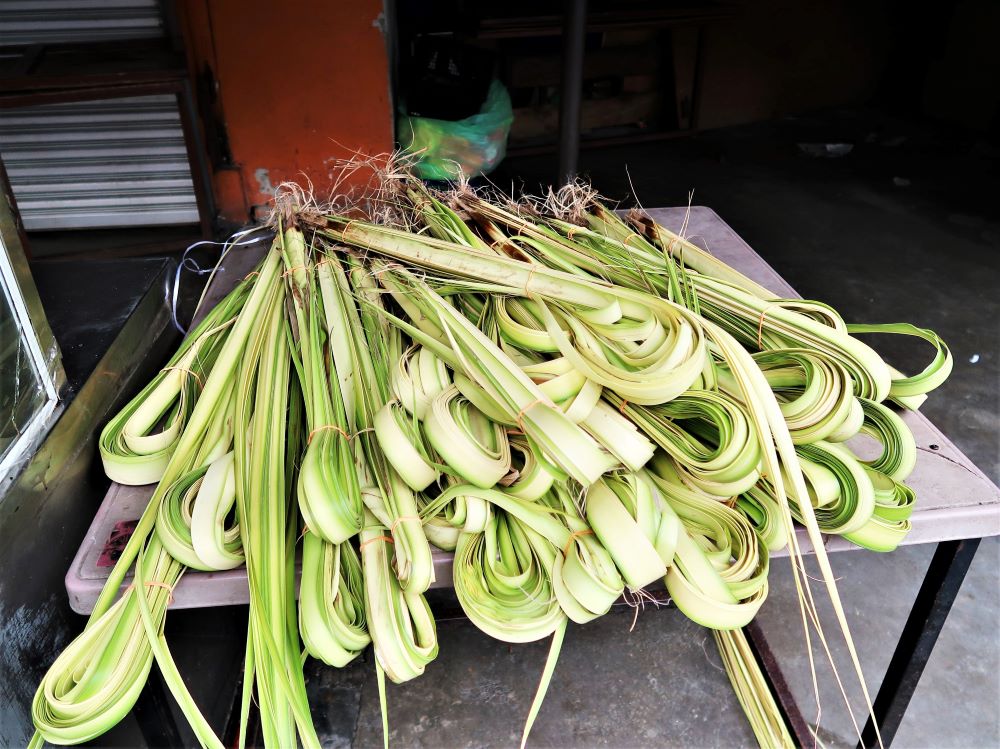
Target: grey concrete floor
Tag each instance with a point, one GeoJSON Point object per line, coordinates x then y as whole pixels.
{"type": "Point", "coordinates": [905, 228]}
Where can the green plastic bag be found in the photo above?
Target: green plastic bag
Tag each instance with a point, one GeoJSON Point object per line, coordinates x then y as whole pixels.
{"type": "Point", "coordinates": [447, 149]}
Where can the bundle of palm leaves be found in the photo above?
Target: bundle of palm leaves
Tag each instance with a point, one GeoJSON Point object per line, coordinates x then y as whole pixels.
{"type": "Point", "coordinates": [575, 404]}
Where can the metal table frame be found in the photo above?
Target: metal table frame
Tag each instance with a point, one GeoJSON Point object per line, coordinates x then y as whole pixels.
{"type": "Point", "coordinates": [926, 619]}
{"type": "Point", "coordinates": [957, 505]}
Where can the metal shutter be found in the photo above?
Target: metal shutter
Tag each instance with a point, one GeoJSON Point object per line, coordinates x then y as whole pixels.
{"type": "Point", "coordinates": [54, 21]}
{"type": "Point", "coordinates": [116, 162]}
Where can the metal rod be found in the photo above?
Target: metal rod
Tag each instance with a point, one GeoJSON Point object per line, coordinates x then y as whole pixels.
{"type": "Point", "coordinates": [571, 91]}
{"type": "Point", "coordinates": [930, 609]}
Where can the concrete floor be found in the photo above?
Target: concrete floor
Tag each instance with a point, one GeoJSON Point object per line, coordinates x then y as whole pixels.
{"type": "Point", "coordinates": [905, 228]}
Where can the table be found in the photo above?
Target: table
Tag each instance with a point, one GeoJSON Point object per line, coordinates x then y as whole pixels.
{"type": "Point", "coordinates": [957, 505]}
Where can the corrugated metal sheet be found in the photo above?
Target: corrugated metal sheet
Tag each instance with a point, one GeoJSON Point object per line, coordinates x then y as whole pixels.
{"type": "Point", "coordinates": [117, 162]}
{"type": "Point", "coordinates": [54, 21]}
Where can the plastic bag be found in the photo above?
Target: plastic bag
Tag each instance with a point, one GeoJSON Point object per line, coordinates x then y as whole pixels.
{"type": "Point", "coordinates": [470, 147]}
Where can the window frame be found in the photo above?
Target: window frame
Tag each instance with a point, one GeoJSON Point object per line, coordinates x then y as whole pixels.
{"type": "Point", "coordinates": [33, 329]}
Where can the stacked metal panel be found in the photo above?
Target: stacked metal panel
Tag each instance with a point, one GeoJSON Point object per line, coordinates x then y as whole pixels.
{"type": "Point", "coordinates": [57, 21]}
{"type": "Point", "coordinates": [87, 164]}
{"type": "Point", "coordinates": [116, 162]}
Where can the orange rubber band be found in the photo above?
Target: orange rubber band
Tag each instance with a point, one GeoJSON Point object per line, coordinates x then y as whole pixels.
{"type": "Point", "coordinates": [523, 411]}
{"type": "Point", "coordinates": [292, 270]}
{"type": "Point", "coordinates": [622, 407]}
{"type": "Point", "coordinates": [154, 584]}
{"type": "Point", "coordinates": [760, 324]}
{"type": "Point", "coordinates": [185, 371]}
{"type": "Point", "coordinates": [377, 538]}
{"type": "Point", "coordinates": [165, 586]}
{"type": "Point", "coordinates": [573, 536]}
{"type": "Point", "coordinates": [400, 519]}
{"type": "Point", "coordinates": [334, 427]}
{"type": "Point", "coordinates": [251, 273]}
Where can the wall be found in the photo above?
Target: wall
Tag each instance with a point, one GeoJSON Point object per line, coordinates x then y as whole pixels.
{"type": "Point", "coordinates": [296, 85]}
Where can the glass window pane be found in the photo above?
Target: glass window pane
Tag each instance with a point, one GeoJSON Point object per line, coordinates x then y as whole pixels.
{"type": "Point", "coordinates": [26, 393]}
{"type": "Point", "coordinates": [22, 392]}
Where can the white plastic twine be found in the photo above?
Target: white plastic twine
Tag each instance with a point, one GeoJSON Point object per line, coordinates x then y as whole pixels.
{"type": "Point", "coordinates": [189, 263]}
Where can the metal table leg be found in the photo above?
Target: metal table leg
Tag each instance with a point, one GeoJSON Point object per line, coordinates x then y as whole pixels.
{"type": "Point", "coordinates": [930, 610]}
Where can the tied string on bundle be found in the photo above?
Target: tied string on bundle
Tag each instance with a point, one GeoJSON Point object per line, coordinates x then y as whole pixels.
{"type": "Point", "coordinates": [527, 281]}
{"type": "Point", "coordinates": [154, 584]}
{"type": "Point", "coordinates": [518, 419]}
{"type": "Point", "coordinates": [333, 427]}
{"type": "Point", "coordinates": [572, 537]}
{"type": "Point", "coordinates": [184, 370]}
{"type": "Point", "coordinates": [190, 264]}
{"type": "Point", "coordinates": [363, 544]}
{"type": "Point", "coordinates": [347, 228]}
{"type": "Point", "coordinates": [402, 518]}
{"type": "Point", "coordinates": [760, 325]}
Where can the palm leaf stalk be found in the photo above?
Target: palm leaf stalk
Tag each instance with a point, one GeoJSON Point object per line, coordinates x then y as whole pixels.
{"type": "Point", "coordinates": [90, 687]}
{"type": "Point", "coordinates": [265, 430]}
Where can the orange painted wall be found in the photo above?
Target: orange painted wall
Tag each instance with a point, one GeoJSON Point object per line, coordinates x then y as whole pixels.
{"type": "Point", "coordinates": [299, 84]}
